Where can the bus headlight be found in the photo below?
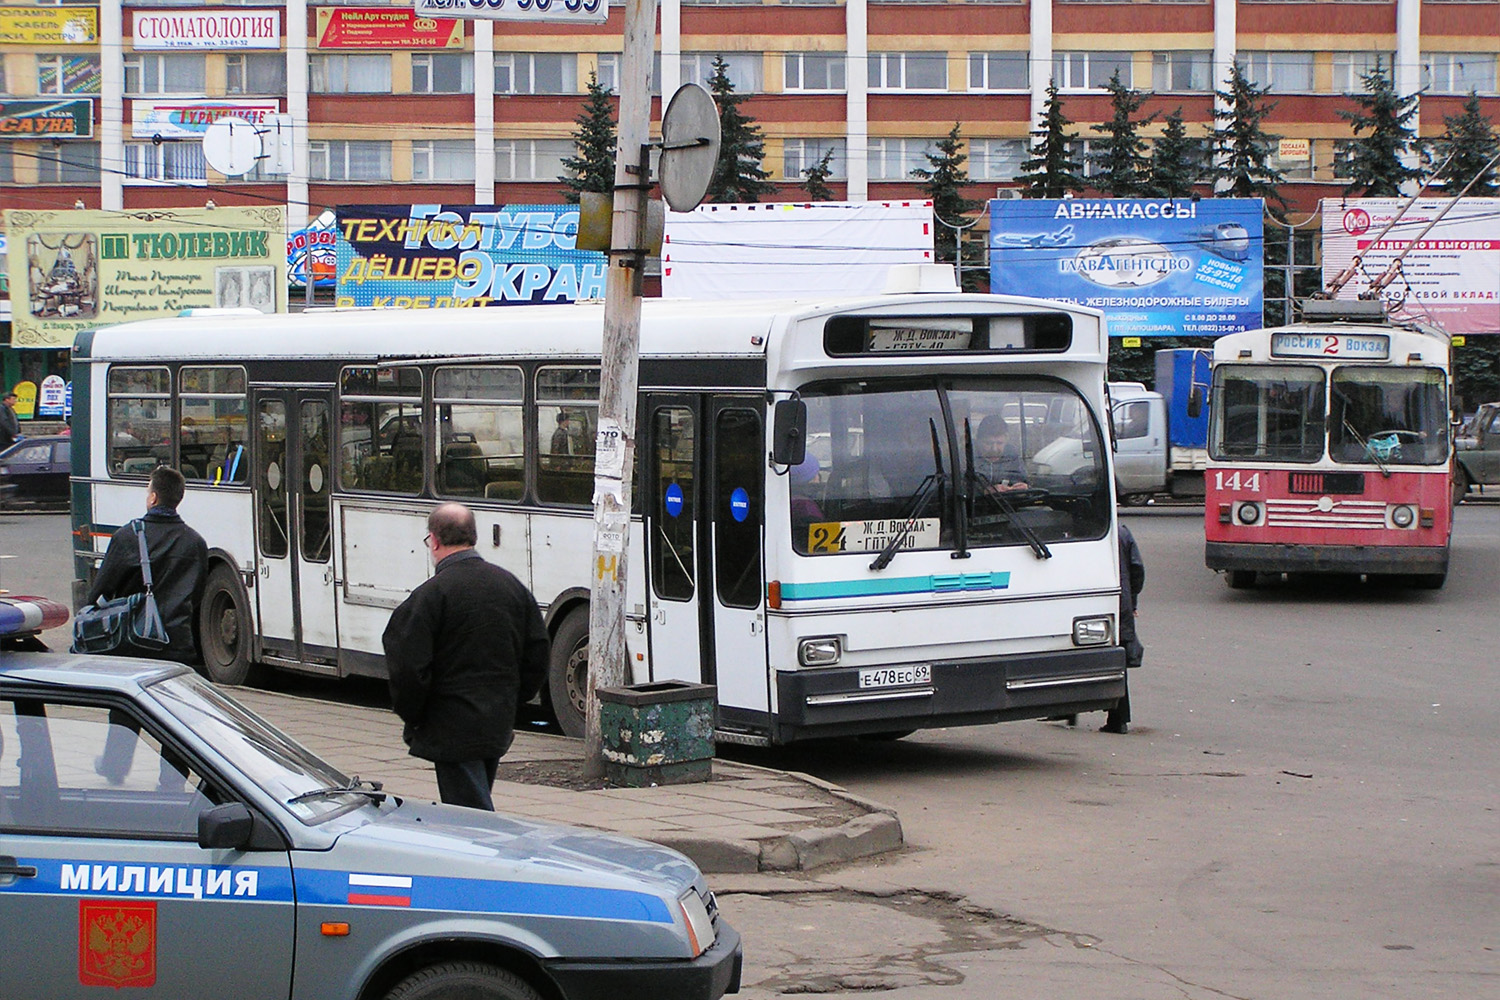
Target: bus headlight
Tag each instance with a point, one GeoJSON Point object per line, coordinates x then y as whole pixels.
{"type": "Point", "coordinates": [1402, 516]}
{"type": "Point", "coordinates": [823, 651]}
{"type": "Point", "coordinates": [1093, 631]}
{"type": "Point", "coordinates": [1247, 513]}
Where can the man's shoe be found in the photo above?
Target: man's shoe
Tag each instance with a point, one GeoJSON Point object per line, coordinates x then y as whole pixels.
{"type": "Point", "coordinates": [1120, 728]}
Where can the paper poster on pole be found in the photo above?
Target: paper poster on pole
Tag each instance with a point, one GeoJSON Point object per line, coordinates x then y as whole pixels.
{"type": "Point", "coordinates": [1451, 276]}
{"type": "Point", "coordinates": [792, 250]}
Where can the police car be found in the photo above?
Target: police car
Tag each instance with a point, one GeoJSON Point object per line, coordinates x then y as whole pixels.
{"type": "Point", "coordinates": [155, 834]}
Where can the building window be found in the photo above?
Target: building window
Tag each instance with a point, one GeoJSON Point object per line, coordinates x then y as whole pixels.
{"type": "Point", "coordinates": [1283, 72]}
{"type": "Point", "coordinates": [7, 165]}
{"type": "Point", "coordinates": [350, 74]}
{"type": "Point", "coordinates": [1349, 68]}
{"type": "Point", "coordinates": [442, 160]}
{"type": "Point", "coordinates": [66, 75]}
{"type": "Point", "coordinates": [348, 160]}
{"type": "Point", "coordinates": [442, 73]}
{"type": "Point", "coordinates": [1458, 72]}
{"type": "Point", "coordinates": [255, 73]}
{"type": "Point", "coordinates": [801, 154]}
{"type": "Point", "coordinates": [742, 68]}
{"type": "Point", "coordinates": [806, 72]}
{"type": "Point", "coordinates": [999, 71]}
{"type": "Point", "coordinates": [997, 159]}
{"type": "Point", "coordinates": [1090, 70]}
{"type": "Point", "coordinates": [536, 73]}
{"type": "Point", "coordinates": [68, 163]}
{"type": "Point", "coordinates": [164, 73]}
{"type": "Point", "coordinates": [532, 159]}
{"type": "Point", "coordinates": [167, 161]}
{"type": "Point", "coordinates": [895, 159]}
{"type": "Point", "coordinates": [609, 70]}
{"type": "Point", "coordinates": [908, 71]}
{"type": "Point", "coordinates": [1182, 71]}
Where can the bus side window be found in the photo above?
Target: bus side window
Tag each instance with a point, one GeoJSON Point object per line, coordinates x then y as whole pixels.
{"type": "Point", "coordinates": [567, 418]}
{"type": "Point", "coordinates": [381, 430]}
{"type": "Point", "coordinates": [479, 432]}
{"type": "Point", "coordinates": [139, 420]}
{"type": "Point", "coordinates": [213, 430]}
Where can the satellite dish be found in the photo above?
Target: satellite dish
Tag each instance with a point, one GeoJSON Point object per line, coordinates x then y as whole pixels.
{"type": "Point", "coordinates": [689, 146]}
{"type": "Point", "coordinates": [231, 146]}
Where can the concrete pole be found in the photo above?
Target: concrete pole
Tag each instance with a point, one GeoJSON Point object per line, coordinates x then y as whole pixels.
{"type": "Point", "coordinates": [614, 449]}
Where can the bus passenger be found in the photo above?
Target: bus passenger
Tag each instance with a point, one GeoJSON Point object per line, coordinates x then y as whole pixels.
{"type": "Point", "coordinates": [994, 459]}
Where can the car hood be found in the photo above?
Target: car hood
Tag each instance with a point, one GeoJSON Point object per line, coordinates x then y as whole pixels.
{"type": "Point", "coordinates": [433, 839]}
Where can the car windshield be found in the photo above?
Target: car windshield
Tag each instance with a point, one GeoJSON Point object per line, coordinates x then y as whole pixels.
{"type": "Point", "coordinates": [1388, 416]}
{"type": "Point", "coordinates": [1268, 413]}
{"type": "Point", "coordinates": [281, 768]}
{"type": "Point", "coordinates": [879, 452]}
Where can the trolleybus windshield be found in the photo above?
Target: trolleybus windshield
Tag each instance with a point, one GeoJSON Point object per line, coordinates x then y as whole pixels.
{"type": "Point", "coordinates": [1269, 413]}
{"type": "Point", "coordinates": [1388, 416]}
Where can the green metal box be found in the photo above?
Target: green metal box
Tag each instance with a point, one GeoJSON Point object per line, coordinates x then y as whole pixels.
{"type": "Point", "coordinates": [657, 734]}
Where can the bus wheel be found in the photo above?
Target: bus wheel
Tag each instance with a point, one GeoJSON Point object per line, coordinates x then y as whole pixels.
{"type": "Point", "coordinates": [224, 627]}
{"type": "Point", "coordinates": [1240, 579]}
{"type": "Point", "coordinates": [568, 673]}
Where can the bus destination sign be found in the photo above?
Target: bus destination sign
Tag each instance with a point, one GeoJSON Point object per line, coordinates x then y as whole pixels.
{"type": "Point", "coordinates": [1360, 347]}
{"type": "Point", "coordinates": [923, 336]}
{"type": "Point", "coordinates": [828, 537]}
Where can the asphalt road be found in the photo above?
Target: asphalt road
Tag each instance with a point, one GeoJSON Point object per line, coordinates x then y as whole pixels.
{"type": "Point", "coordinates": [1305, 807]}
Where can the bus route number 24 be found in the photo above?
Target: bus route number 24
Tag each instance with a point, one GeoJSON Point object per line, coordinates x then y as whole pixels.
{"type": "Point", "coordinates": [1250, 484]}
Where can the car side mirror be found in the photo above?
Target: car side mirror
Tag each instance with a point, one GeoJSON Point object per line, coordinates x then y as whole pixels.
{"type": "Point", "coordinates": [1195, 402]}
{"type": "Point", "coordinates": [789, 432]}
{"type": "Point", "coordinates": [226, 827]}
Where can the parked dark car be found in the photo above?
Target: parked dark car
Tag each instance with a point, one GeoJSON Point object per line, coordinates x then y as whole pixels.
{"type": "Point", "coordinates": [34, 472]}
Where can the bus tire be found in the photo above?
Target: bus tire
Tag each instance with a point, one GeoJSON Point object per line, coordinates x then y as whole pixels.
{"type": "Point", "coordinates": [224, 629]}
{"type": "Point", "coordinates": [1240, 579]}
{"type": "Point", "coordinates": [568, 672]}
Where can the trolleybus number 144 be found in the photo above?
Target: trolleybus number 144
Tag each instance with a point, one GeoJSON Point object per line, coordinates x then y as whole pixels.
{"type": "Point", "coordinates": [1250, 483]}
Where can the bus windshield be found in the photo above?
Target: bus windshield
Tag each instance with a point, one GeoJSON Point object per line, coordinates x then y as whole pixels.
{"type": "Point", "coordinates": [882, 451]}
{"type": "Point", "coordinates": [1268, 413]}
{"type": "Point", "coordinates": [1388, 415]}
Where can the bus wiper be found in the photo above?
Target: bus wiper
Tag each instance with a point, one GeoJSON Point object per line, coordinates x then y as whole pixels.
{"type": "Point", "coordinates": [973, 477]}
{"type": "Point", "coordinates": [352, 788]}
{"type": "Point", "coordinates": [933, 483]}
{"type": "Point", "coordinates": [1385, 472]}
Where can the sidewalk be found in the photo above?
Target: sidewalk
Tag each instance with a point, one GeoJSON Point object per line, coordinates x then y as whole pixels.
{"type": "Point", "coordinates": [747, 819]}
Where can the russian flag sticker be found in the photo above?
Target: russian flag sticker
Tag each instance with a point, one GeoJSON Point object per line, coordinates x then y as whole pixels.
{"type": "Point", "coordinates": [379, 890]}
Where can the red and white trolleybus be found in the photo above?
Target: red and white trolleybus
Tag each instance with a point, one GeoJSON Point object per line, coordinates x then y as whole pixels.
{"type": "Point", "coordinates": [1329, 449]}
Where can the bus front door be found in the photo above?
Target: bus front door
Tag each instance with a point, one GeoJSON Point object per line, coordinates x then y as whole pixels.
{"type": "Point", "coordinates": [295, 588]}
{"type": "Point", "coordinates": [734, 518]}
{"type": "Point", "coordinates": [673, 553]}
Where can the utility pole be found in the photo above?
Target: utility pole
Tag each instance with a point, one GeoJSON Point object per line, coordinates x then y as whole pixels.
{"type": "Point", "coordinates": [614, 450]}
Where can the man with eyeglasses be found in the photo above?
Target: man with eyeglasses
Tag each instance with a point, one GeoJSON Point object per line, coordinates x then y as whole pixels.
{"type": "Point", "coordinates": [462, 652]}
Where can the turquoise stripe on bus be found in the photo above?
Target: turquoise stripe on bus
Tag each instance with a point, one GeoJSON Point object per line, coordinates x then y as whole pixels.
{"type": "Point", "coordinates": [944, 583]}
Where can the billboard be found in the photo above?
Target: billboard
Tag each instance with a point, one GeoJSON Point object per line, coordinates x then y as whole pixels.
{"type": "Point", "coordinates": [1450, 276]}
{"type": "Point", "coordinates": [206, 29]}
{"type": "Point", "coordinates": [1156, 267]}
{"type": "Point", "coordinates": [191, 119]}
{"type": "Point", "coordinates": [77, 270]}
{"type": "Point", "coordinates": [67, 118]}
{"type": "Point", "coordinates": [37, 25]}
{"type": "Point", "coordinates": [385, 28]}
{"type": "Point", "coordinates": [445, 256]}
{"type": "Point", "coordinates": [792, 250]}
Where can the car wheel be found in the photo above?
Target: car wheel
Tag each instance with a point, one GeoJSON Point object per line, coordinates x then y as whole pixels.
{"type": "Point", "coordinates": [463, 981]}
{"type": "Point", "coordinates": [1136, 499]}
{"type": "Point", "coordinates": [224, 629]}
{"type": "Point", "coordinates": [1240, 579]}
{"type": "Point", "coordinates": [568, 672]}
{"type": "Point", "coordinates": [1461, 483]}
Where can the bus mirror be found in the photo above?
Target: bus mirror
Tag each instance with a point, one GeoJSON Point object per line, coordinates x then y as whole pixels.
{"type": "Point", "coordinates": [1195, 402]}
{"type": "Point", "coordinates": [789, 432]}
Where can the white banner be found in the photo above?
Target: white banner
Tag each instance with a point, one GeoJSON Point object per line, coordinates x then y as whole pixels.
{"type": "Point", "coordinates": [1450, 277]}
{"type": "Point", "coordinates": [223, 28]}
{"type": "Point", "coordinates": [572, 11]}
{"type": "Point", "coordinates": [190, 119]}
{"type": "Point", "coordinates": [792, 250]}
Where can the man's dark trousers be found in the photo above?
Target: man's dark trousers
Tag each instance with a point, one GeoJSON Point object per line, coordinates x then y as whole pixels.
{"type": "Point", "coordinates": [467, 782]}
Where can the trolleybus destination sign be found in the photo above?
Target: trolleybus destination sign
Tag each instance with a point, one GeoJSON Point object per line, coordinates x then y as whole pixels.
{"type": "Point", "coordinates": [1366, 347]}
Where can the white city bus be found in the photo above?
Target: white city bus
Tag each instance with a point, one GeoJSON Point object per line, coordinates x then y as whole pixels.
{"type": "Point", "coordinates": [876, 583]}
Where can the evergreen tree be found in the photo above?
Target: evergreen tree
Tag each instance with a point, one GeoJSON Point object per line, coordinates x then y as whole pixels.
{"type": "Point", "coordinates": [1243, 151]}
{"type": "Point", "coordinates": [1176, 161]}
{"type": "Point", "coordinates": [1468, 144]}
{"type": "Point", "coordinates": [1122, 165]}
{"type": "Point", "coordinates": [1051, 171]}
{"type": "Point", "coordinates": [1376, 164]}
{"type": "Point", "coordinates": [593, 168]}
{"type": "Point", "coordinates": [738, 176]}
{"type": "Point", "coordinates": [942, 181]}
{"type": "Point", "coordinates": [815, 178]}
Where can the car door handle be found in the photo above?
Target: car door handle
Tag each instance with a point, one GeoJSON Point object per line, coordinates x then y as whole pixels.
{"type": "Point", "coordinates": [9, 867]}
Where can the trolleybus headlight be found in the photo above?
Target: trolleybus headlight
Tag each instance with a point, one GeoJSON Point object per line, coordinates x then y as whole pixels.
{"type": "Point", "coordinates": [823, 651]}
{"type": "Point", "coordinates": [1402, 516]}
{"type": "Point", "coordinates": [1093, 631]}
{"type": "Point", "coordinates": [1247, 513]}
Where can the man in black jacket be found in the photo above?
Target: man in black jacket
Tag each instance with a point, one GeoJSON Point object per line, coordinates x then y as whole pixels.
{"type": "Point", "coordinates": [1132, 579]}
{"type": "Point", "coordinates": [179, 568]}
{"type": "Point", "coordinates": [462, 652]}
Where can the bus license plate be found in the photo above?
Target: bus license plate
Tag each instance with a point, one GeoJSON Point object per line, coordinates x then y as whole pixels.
{"type": "Point", "coordinates": [884, 677]}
